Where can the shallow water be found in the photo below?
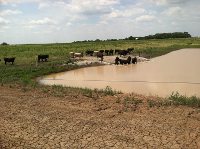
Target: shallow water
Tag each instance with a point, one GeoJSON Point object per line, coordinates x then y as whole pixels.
{"type": "Point", "coordinates": [175, 71]}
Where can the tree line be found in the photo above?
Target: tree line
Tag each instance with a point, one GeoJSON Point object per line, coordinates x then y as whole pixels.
{"type": "Point", "coordinates": [156, 36]}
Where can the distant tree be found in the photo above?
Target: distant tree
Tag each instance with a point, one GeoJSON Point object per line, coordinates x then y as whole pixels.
{"type": "Point", "coordinates": [97, 40]}
{"type": "Point", "coordinates": [4, 43]}
{"type": "Point", "coordinates": [131, 38]}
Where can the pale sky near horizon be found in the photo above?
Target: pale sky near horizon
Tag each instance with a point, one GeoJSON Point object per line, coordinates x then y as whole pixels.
{"type": "Point", "coordinates": [65, 21]}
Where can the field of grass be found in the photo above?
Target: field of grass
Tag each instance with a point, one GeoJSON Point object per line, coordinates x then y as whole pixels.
{"type": "Point", "coordinates": [25, 69]}
{"type": "Point", "coordinates": [26, 54]}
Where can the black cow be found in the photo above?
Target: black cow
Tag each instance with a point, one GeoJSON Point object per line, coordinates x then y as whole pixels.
{"type": "Point", "coordinates": [117, 60]}
{"type": "Point", "coordinates": [89, 53]}
{"type": "Point", "coordinates": [123, 52]}
{"type": "Point", "coordinates": [134, 60]}
{"type": "Point", "coordinates": [128, 61]}
{"type": "Point", "coordinates": [101, 51]}
{"type": "Point", "coordinates": [130, 49]}
{"type": "Point", "coordinates": [100, 55]}
{"type": "Point", "coordinates": [107, 51]}
{"type": "Point", "coordinates": [117, 51]}
{"type": "Point", "coordinates": [111, 51]}
{"type": "Point", "coordinates": [0, 59]}
{"type": "Point", "coordinates": [9, 60]}
{"type": "Point", "coordinates": [43, 57]}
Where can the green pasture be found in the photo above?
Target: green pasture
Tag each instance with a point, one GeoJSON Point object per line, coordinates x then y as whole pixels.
{"type": "Point", "coordinates": [26, 54]}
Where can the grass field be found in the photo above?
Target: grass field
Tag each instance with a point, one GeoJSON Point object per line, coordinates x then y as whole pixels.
{"type": "Point", "coordinates": [24, 68]}
{"type": "Point", "coordinates": [26, 54]}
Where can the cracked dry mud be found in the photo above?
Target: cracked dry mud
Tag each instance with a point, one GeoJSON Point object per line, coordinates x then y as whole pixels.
{"type": "Point", "coordinates": [34, 119]}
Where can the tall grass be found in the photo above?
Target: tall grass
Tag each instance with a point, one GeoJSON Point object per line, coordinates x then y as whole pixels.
{"type": "Point", "coordinates": [176, 100]}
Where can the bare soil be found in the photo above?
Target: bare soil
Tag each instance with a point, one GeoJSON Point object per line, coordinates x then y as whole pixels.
{"type": "Point", "coordinates": [36, 119]}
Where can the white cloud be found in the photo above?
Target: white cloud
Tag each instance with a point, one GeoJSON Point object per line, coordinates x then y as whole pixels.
{"type": "Point", "coordinates": [77, 17]}
{"type": "Point", "coordinates": [3, 2]}
{"type": "Point", "coordinates": [45, 21]}
{"type": "Point", "coordinates": [53, 27]}
{"type": "Point", "coordinates": [88, 7]}
{"type": "Point", "coordinates": [29, 27]}
{"type": "Point", "coordinates": [6, 27]}
{"type": "Point", "coordinates": [125, 13]}
{"type": "Point", "coordinates": [9, 12]}
{"type": "Point", "coordinates": [170, 2]}
{"type": "Point", "coordinates": [6, 2]}
{"type": "Point", "coordinates": [68, 24]}
{"type": "Point", "coordinates": [3, 21]}
{"type": "Point", "coordinates": [102, 23]}
{"type": "Point", "coordinates": [152, 12]}
{"type": "Point", "coordinates": [44, 4]}
{"type": "Point", "coordinates": [173, 11]}
{"type": "Point", "coordinates": [174, 23]}
{"type": "Point", "coordinates": [145, 18]}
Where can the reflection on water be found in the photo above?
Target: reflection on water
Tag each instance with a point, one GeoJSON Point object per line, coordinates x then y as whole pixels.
{"type": "Point", "coordinates": [176, 71]}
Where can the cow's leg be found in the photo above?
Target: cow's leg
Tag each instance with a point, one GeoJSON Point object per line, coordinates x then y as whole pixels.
{"type": "Point", "coordinates": [5, 62]}
{"type": "Point", "coordinates": [45, 60]}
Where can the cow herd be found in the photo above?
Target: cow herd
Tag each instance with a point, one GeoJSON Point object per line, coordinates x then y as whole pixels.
{"type": "Point", "coordinates": [42, 57]}
{"type": "Point", "coordinates": [110, 52]}
{"type": "Point", "coordinates": [99, 54]}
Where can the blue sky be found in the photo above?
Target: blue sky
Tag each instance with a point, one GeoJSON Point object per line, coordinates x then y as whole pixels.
{"type": "Point", "coordinates": [64, 21]}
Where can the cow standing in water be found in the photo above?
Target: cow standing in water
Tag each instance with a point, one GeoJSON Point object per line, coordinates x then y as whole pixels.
{"type": "Point", "coordinates": [134, 60]}
{"type": "Point", "coordinates": [43, 57]}
{"type": "Point", "coordinates": [9, 60]}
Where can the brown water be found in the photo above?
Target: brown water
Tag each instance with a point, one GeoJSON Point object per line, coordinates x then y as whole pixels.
{"type": "Point", "coordinates": [176, 71]}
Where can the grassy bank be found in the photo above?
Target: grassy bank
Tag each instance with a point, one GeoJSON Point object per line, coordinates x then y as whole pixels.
{"type": "Point", "coordinates": [26, 67]}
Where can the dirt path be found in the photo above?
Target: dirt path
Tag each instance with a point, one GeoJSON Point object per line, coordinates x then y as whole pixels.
{"type": "Point", "coordinates": [34, 119]}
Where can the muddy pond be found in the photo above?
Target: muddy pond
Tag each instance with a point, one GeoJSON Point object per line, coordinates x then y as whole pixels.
{"type": "Point", "coordinates": [178, 71]}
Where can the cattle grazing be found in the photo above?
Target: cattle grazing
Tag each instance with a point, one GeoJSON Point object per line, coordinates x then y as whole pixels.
{"type": "Point", "coordinates": [9, 60]}
{"type": "Point", "coordinates": [107, 51]}
{"type": "Point", "coordinates": [100, 55]}
{"type": "Point", "coordinates": [123, 52]}
{"type": "Point", "coordinates": [78, 55]}
{"type": "Point", "coordinates": [89, 53]}
{"type": "Point", "coordinates": [117, 51]}
{"type": "Point", "coordinates": [130, 49]}
{"type": "Point", "coordinates": [71, 54]}
{"type": "Point", "coordinates": [134, 60]}
{"type": "Point", "coordinates": [43, 57]}
{"type": "Point", "coordinates": [111, 51]}
{"type": "Point", "coordinates": [101, 51]}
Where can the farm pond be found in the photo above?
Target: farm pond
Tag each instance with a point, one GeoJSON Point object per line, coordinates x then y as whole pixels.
{"type": "Point", "coordinates": [177, 71]}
